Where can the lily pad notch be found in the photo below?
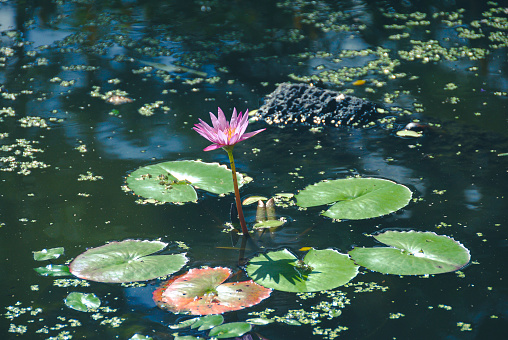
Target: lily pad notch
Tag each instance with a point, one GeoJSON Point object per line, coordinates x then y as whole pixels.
{"type": "Point", "coordinates": [177, 181]}
{"type": "Point", "coordinates": [319, 270]}
{"type": "Point", "coordinates": [355, 198]}
{"type": "Point", "coordinates": [202, 291]}
{"type": "Point", "coordinates": [412, 253]}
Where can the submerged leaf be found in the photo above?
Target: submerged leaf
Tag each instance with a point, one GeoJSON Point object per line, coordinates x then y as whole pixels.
{"type": "Point", "coordinates": [126, 261]}
{"type": "Point", "coordinates": [319, 270]}
{"type": "Point", "coordinates": [413, 253]}
{"type": "Point", "coordinates": [357, 198]}
{"type": "Point", "coordinates": [82, 302]}
{"type": "Point", "coordinates": [202, 292]}
{"type": "Point", "coordinates": [176, 181]}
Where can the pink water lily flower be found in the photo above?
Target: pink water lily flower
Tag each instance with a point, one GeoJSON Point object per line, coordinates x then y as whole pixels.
{"type": "Point", "coordinates": [225, 134]}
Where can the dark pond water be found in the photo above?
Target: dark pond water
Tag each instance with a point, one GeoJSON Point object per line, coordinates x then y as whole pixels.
{"type": "Point", "coordinates": [441, 62]}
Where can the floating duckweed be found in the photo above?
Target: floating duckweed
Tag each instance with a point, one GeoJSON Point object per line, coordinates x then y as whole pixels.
{"type": "Point", "coordinates": [20, 329]}
{"type": "Point", "coordinates": [64, 283]}
{"type": "Point", "coordinates": [366, 287]}
{"type": "Point", "coordinates": [450, 86]}
{"type": "Point", "coordinates": [89, 176]}
{"type": "Point", "coordinates": [444, 307]}
{"type": "Point", "coordinates": [329, 333]}
{"type": "Point", "coordinates": [113, 322]}
{"type": "Point", "coordinates": [396, 315]}
{"type": "Point", "coordinates": [81, 148]}
{"type": "Point", "coordinates": [464, 326]}
{"type": "Point", "coordinates": [147, 109]}
{"type": "Point", "coordinates": [30, 121]}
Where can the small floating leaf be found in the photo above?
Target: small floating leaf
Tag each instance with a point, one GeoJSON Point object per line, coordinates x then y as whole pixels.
{"type": "Point", "coordinates": [140, 337]}
{"type": "Point", "coordinates": [319, 270]}
{"type": "Point", "coordinates": [230, 330]}
{"type": "Point", "coordinates": [176, 181]}
{"type": "Point", "coordinates": [413, 253]}
{"type": "Point", "coordinates": [82, 302]}
{"type": "Point", "coordinates": [184, 324]}
{"type": "Point", "coordinates": [48, 254]}
{"type": "Point", "coordinates": [409, 133]}
{"type": "Point", "coordinates": [253, 199]}
{"type": "Point", "coordinates": [269, 224]}
{"type": "Point", "coordinates": [53, 270]}
{"type": "Point", "coordinates": [359, 82]}
{"type": "Point", "coordinates": [259, 321]}
{"type": "Point", "coordinates": [126, 261]}
{"type": "Point", "coordinates": [357, 198]}
{"type": "Point", "coordinates": [207, 322]}
{"type": "Point", "coordinates": [202, 292]}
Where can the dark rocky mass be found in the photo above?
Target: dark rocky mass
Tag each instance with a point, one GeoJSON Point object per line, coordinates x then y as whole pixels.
{"type": "Point", "coordinates": [314, 106]}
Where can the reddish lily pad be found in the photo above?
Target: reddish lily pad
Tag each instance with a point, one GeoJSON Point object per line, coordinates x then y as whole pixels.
{"type": "Point", "coordinates": [202, 292]}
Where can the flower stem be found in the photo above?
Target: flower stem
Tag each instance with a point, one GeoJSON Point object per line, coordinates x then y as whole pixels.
{"type": "Point", "coordinates": [245, 232]}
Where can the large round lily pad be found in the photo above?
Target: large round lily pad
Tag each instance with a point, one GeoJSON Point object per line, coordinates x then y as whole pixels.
{"type": "Point", "coordinates": [176, 181]}
{"type": "Point", "coordinates": [202, 291]}
{"type": "Point", "coordinates": [412, 253]}
{"type": "Point", "coordinates": [356, 198]}
{"type": "Point", "coordinates": [126, 261]}
{"type": "Point", "coordinates": [319, 270]}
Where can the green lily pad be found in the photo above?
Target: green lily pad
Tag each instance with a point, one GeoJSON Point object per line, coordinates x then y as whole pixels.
{"type": "Point", "coordinates": [176, 181]}
{"type": "Point", "coordinates": [82, 302]}
{"type": "Point", "coordinates": [53, 270]}
{"type": "Point", "coordinates": [184, 324]}
{"type": "Point", "coordinates": [230, 330]}
{"type": "Point", "coordinates": [126, 261]}
{"type": "Point", "coordinates": [268, 224]}
{"type": "Point", "coordinates": [207, 322]}
{"type": "Point", "coordinates": [186, 337]}
{"type": "Point", "coordinates": [253, 199]}
{"type": "Point", "coordinates": [412, 253]}
{"type": "Point", "coordinates": [259, 321]}
{"type": "Point", "coordinates": [202, 292]}
{"type": "Point", "coordinates": [357, 198]}
{"type": "Point", "coordinates": [48, 254]}
{"type": "Point", "coordinates": [140, 337]}
{"type": "Point", "coordinates": [319, 270]}
{"type": "Point", "coordinates": [409, 133]}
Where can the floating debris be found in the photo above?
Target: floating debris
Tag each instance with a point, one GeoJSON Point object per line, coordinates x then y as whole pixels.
{"type": "Point", "coordinates": [118, 100]}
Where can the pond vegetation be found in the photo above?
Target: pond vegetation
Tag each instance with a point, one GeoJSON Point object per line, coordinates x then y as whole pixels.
{"type": "Point", "coordinates": [116, 224]}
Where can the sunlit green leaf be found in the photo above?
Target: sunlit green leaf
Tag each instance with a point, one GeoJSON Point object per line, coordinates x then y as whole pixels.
{"type": "Point", "coordinates": [412, 253]}
{"type": "Point", "coordinates": [48, 254]}
{"type": "Point", "coordinates": [207, 322]}
{"type": "Point", "coordinates": [319, 270]}
{"type": "Point", "coordinates": [126, 261]}
{"type": "Point", "coordinates": [82, 302]}
{"type": "Point", "coordinates": [356, 198]}
{"type": "Point", "coordinates": [268, 224]}
{"type": "Point", "coordinates": [53, 270]}
{"type": "Point", "coordinates": [176, 181]}
{"type": "Point", "coordinates": [230, 330]}
{"type": "Point", "coordinates": [253, 199]}
{"type": "Point", "coordinates": [184, 324]}
{"type": "Point", "coordinates": [259, 321]}
{"type": "Point", "coordinates": [140, 337]}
